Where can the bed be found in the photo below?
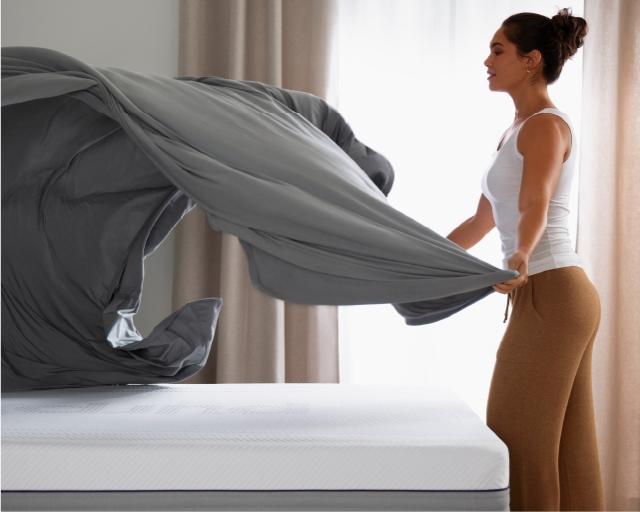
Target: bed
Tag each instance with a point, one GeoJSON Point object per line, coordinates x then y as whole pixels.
{"type": "Point", "coordinates": [249, 447]}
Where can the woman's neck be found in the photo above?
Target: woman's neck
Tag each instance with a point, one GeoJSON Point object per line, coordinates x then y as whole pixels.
{"type": "Point", "coordinates": [529, 101]}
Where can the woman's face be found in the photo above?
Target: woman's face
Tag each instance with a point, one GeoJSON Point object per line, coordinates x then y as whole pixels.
{"type": "Point", "coordinates": [505, 69]}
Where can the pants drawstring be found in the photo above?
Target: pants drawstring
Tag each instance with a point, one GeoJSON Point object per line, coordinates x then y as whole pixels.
{"type": "Point", "coordinates": [506, 311]}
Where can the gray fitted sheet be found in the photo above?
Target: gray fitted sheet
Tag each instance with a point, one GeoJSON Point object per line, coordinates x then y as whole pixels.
{"type": "Point", "coordinates": [99, 164]}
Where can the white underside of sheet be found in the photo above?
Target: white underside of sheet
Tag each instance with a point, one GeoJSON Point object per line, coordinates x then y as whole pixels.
{"type": "Point", "coordinates": [247, 437]}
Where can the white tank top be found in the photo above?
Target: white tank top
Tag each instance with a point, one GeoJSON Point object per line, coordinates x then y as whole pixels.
{"type": "Point", "coordinates": [501, 186]}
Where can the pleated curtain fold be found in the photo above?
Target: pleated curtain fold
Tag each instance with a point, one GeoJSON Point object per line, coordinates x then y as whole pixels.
{"type": "Point", "coordinates": [286, 43]}
{"type": "Point", "coordinates": [609, 235]}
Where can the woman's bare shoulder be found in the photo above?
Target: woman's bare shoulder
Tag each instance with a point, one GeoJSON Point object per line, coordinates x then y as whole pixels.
{"type": "Point", "coordinates": [544, 128]}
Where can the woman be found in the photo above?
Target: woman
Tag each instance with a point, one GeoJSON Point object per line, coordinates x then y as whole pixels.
{"type": "Point", "coordinates": [540, 400]}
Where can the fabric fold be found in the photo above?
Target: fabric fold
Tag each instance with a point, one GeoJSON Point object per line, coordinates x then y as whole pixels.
{"type": "Point", "coordinates": [99, 164]}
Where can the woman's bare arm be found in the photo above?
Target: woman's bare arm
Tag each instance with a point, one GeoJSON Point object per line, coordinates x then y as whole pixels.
{"type": "Point", "coordinates": [475, 228]}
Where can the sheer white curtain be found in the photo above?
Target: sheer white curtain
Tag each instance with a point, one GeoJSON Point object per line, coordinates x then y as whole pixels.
{"type": "Point", "coordinates": [409, 78]}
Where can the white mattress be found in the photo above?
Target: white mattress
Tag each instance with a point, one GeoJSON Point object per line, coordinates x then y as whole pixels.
{"type": "Point", "coordinates": [247, 437]}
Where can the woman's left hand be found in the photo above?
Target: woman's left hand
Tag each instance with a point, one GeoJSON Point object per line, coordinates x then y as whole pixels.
{"type": "Point", "coordinates": [520, 262]}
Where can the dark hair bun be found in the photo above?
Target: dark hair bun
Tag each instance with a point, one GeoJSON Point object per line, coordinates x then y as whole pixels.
{"type": "Point", "coordinates": [570, 31]}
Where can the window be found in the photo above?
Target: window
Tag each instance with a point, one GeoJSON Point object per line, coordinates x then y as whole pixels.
{"type": "Point", "coordinates": [410, 80]}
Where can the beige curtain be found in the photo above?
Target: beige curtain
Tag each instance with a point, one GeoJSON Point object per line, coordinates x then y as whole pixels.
{"type": "Point", "coordinates": [285, 43]}
{"type": "Point", "coordinates": [609, 235]}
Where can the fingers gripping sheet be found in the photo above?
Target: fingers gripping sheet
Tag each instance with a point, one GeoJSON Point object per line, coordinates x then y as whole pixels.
{"type": "Point", "coordinates": [99, 164]}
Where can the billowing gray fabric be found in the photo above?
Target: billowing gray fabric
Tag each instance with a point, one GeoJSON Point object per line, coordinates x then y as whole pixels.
{"type": "Point", "coordinates": [99, 164]}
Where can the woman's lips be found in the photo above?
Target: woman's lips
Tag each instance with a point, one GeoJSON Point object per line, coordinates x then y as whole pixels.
{"type": "Point", "coordinates": [490, 77]}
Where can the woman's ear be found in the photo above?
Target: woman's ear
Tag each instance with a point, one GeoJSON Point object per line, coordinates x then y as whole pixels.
{"type": "Point", "coordinates": [534, 57]}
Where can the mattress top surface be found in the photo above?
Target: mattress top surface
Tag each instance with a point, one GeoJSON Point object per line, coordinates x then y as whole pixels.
{"type": "Point", "coordinates": [320, 412]}
{"type": "Point", "coordinates": [247, 437]}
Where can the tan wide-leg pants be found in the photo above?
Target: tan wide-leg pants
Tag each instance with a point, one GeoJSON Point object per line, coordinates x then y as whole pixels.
{"type": "Point", "coordinates": [540, 400]}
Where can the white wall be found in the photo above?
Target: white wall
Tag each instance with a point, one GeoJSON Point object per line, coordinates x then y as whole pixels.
{"type": "Point", "coordinates": [138, 35]}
